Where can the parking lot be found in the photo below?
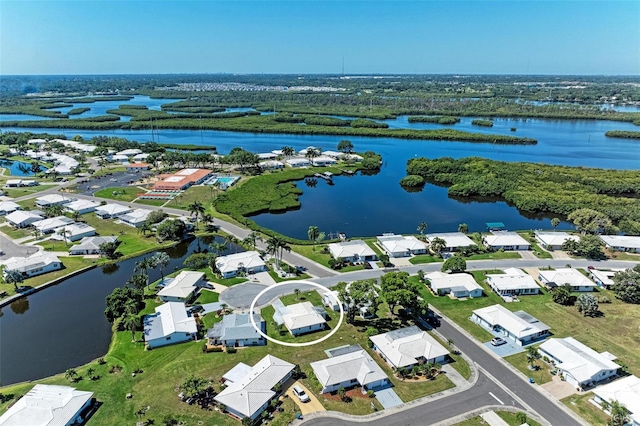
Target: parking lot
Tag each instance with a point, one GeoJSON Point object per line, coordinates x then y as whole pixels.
{"type": "Point", "coordinates": [88, 186]}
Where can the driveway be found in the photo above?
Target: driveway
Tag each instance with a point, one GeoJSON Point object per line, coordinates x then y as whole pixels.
{"type": "Point", "coordinates": [10, 249]}
{"type": "Point", "coordinates": [507, 349]}
{"type": "Point", "coordinates": [559, 388]}
{"type": "Point", "coordinates": [388, 398]}
{"type": "Point", "coordinates": [307, 407]}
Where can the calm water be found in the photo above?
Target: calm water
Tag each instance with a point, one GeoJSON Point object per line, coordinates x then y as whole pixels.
{"type": "Point", "coordinates": [64, 326]}
{"type": "Point", "coordinates": [14, 167]}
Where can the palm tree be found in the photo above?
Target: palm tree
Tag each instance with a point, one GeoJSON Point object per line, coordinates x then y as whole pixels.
{"type": "Point", "coordinates": [90, 372]}
{"type": "Point", "coordinates": [251, 239]}
{"type": "Point", "coordinates": [231, 239]}
{"type": "Point", "coordinates": [64, 232]}
{"type": "Point", "coordinates": [207, 219]}
{"type": "Point", "coordinates": [438, 244]}
{"type": "Point", "coordinates": [218, 247]}
{"type": "Point", "coordinates": [143, 266]}
{"type": "Point", "coordinates": [130, 322]}
{"type": "Point", "coordinates": [421, 227]}
{"type": "Point", "coordinates": [161, 260]}
{"type": "Point", "coordinates": [555, 222]}
{"type": "Point", "coordinates": [13, 277]}
{"type": "Point", "coordinates": [196, 208]}
{"type": "Point", "coordinates": [287, 151]}
{"type": "Point", "coordinates": [619, 414]}
{"type": "Point", "coordinates": [75, 215]}
{"type": "Point", "coordinates": [71, 374]}
{"type": "Point", "coordinates": [145, 227]}
{"type": "Point", "coordinates": [138, 281]}
{"type": "Point", "coordinates": [297, 293]}
{"type": "Point", "coordinates": [532, 356]}
{"type": "Point", "coordinates": [463, 227]}
{"type": "Point", "coordinates": [272, 248]}
{"type": "Point", "coordinates": [312, 233]}
{"type": "Point", "coordinates": [311, 154]}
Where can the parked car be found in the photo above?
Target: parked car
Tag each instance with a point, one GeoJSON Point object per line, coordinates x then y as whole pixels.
{"type": "Point", "coordinates": [301, 394]}
{"type": "Point", "coordinates": [497, 341]}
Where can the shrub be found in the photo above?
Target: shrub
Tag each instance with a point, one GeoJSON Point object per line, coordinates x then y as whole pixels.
{"type": "Point", "coordinates": [412, 181]}
{"type": "Point", "coordinates": [231, 350]}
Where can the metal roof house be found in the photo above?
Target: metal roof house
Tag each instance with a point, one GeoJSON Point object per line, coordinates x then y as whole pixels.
{"type": "Point", "coordinates": [453, 240]}
{"type": "Point", "coordinates": [621, 242]}
{"type": "Point", "coordinates": [300, 318]}
{"type": "Point", "coordinates": [73, 232]}
{"type": "Point", "coordinates": [49, 405]}
{"type": "Point", "coordinates": [53, 200]}
{"type": "Point", "coordinates": [561, 276]}
{"type": "Point", "coordinates": [353, 368]}
{"type": "Point", "coordinates": [248, 262]}
{"type": "Point", "coordinates": [626, 391]}
{"type": "Point", "coordinates": [408, 346]}
{"type": "Point", "coordinates": [579, 365]}
{"type": "Point", "coordinates": [81, 206]}
{"type": "Point", "coordinates": [237, 330]}
{"type": "Point", "coordinates": [503, 240]}
{"type": "Point", "coordinates": [401, 246]}
{"type": "Point", "coordinates": [455, 285]}
{"type": "Point", "coordinates": [22, 219]}
{"type": "Point", "coordinates": [47, 226]}
{"type": "Point", "coordinates": [518, 327]}
{"type": "Point", "coordinates": [182, 287]}
{"type": "Point", "coordinates": [249, 389]}
{"type": "Point", "coordinates": [111, 210]}
{"type": "Point", "coordinates": [554, 240]}
{"type": "Point", "coordinates": [7, 207]}
{"type": "Point", "coordinates": [352, 251]}
{"type": "Point", "coordinates": [37, 264]}
{"type": "Point", "coordinates": [514, 282]}
{"type": "Point", "coordinates": [91, 245]}
{"type": "Point", "coordinates": [170, 324]}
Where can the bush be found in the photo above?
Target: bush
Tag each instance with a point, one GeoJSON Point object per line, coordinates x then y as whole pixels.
{"type": "Point", "coordinates": [231, 350]}
{"type": "Point", "coordinates": [412, 181]}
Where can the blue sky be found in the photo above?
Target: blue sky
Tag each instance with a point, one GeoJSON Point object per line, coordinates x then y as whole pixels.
{"type": "Point", "coordinates": [478, 37]}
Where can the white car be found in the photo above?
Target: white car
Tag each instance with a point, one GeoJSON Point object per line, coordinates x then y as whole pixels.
{"type": "Point", "coordinates": [301, 394]}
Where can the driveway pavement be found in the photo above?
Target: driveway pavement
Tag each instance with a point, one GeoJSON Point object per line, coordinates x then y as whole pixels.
{"type": "Point", "coordinates": [559, 388]}
{"type": "Point", "coordinates": [10, 249]}
{"type": "Point", "coordinates": [388, 398]}
{"type": "Point", "coordinates": [507, 349]}
{"type": "Point", "coordinates": [312, 406]}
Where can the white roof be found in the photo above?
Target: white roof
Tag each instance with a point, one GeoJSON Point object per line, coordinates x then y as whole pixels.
{"type": "Point", "coordinates": [440, 281]}
{"type": "Point", "coordinates": [626, 391]}
{"type": "Point", "coordinates": [266, 155]}
{"type": "Point", "coordinates": [230, 263]}
{"type": "Point", "coordinates": [81, 205]}
{"type": "Point", "coordinates": [405, 346]}
{"type": "Point", "coordinates": [512, 279]}
{"type": "Point", "coordinates": [20, 216]}
{"type": "Point", "coordinates": [25, 264]}
{"type": "Point", "coordinates": [36, 141]}
{"type": "Point", "coordinates": [54, 199]}
{"type": "Point", "coordinates": [173, 318]}
{"type": "Point", "coordinates": [555, 238]}
{"type": "Point", "coordinates": [452, 239]}
{"type": "Point", "coordinates": [46, 405]}
{"type": "Point", "coordinates": [350, 249]}
{"type": "Point", "coordinates": [569, 276]}
{"type": "Point", "coordinates": [502, 238]}
{"type": "Point", "coordinates": [626, 241]}
{"type": "Point", "coordinates": [9, 206]}
{"type": "Point", "coordinates": [605, 277]}
{"type": "Point", "coordinates": [398, 243]}
{"type": "Point", "coordinates": [112, 209]}
{"type": "Point", "coordinates": [141, 156]}
{"type": "Point", "coordinates": [356, 365]}
{"type": "Point", "coordinates": [130, 152]}
{"type": "Point", "coordinates": [48, 224]}
{"type": "Point", "coordinates": [301, 315]}
{"type": "Point", "coordinates": [499, 315]}
{"type": "Point", "coordinates": [298, 161]}
{"type": "Point", "coordinates": [182, 285]}
{"type": "Point", "coordinates": [136, 216]}
{"type": "Point", "coordinates": [271, 163]}
{"type": "Point", "coordinates": [251, 391]}
{"type": "Point", "coordinates": [324, 159]}
{"type": "Point", "coordinates": [577, 359]}
{"type": "Point", "coordinates": [334, 154]}
{"type": "Point", "coordinates": [72, 230]}
{"type": "Point", "coordinates": [119, 157]}
{"type": "Point", "coordinates": [93, 243]}
{"type": "Point", "coordinates": [14, 181]}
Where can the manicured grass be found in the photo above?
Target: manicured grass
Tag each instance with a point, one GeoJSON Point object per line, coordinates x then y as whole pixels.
{"type": "Point", "coordinates": [541, 375]}
{"type": "Point", "coordinates": [512, 419]}
{"type": "Point", "coordinates": [535, 247]}
{"type": "Point", "coordinates": [460, 365]}
{"type": "Point", "coordinates": [319, 256]}
{"type": "Point", "coordinates": [495, 255]}
{"type": "Point", "coordinates": [474, 421]}
{"type": "Point", "coordinates": [618, 255]}
{"type": "Point", "coordinates": [581, 405]}
{"type": "Point", "coordinates": [424, 258]}
{"type": "Point", "coordinates": [201, 193]}
{"type": "Point", "coordinates": [122, 193]}
{"type": "Point", "coordinates": [15, 233]}
{"type": "Point", "coordinates": [206, 296]}
{"type": "Point", "coordinates": [277, 278]}
{"type": "Point", "coordinates": [156, 203]}
{"type": "Point", "coordinates": [131, 240]}
{"type": "Point", "coordinates": [19, 192]}
{"type": "Point", "coordinates": [371, 242]}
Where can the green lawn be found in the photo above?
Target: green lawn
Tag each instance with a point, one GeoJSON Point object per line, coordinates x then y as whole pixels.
{"type": "Point", "coordinates": [581, 405]}
{"type": "Point", "coordinates": [495, 255]}
{"type": "Point", "coordinates": [512, 419]}
{"type": "Point", "coordinates": [535, 247]}
{"type": "Point", "coordinates": [15, 233]}
{"type": "Point", "coordinates": [317, 255]}
{"type": "Point", "coordinates": [204, 194]}
{"type": "Point", "coordinates": [424, 258]}
{"type": "Point", "coordinates": [541, 375]}
{"type": "Point", "coordinates": [20, 192]}
{"type": "Point", "coordinates": [122, 193]}
{"type": "Point", "coordinates": [206, 296]}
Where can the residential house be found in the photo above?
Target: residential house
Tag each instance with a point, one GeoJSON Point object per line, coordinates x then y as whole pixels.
{"type": "Point", "coordinates": [401, 246]}
{"type": "Point", "coordinates": [455, 285]}
{"type": "Point", "coordinates": [409, 346]}
{"type": "Point", "coordinates": [626, 391]}
{"type": "Point", "coordinates": [518, 327]}
{"type": "Point", "coordinates": [323, 160]}
{"type": "Point", "coordinates": [271, 165]}
{"type": "Point", "coordinates": [352, 251]}
{"type": "Point", "coordinates": [504, 240]}
{"type": "Point", "coordinates": [298, 162]}
{"type": "Point", "coordinates": [267, 155]}
{"type": "Point", "coordinates": [138, 167]}
{"type": "Point", "coordinates": [331, 299]}
{"type": "Point", "coordinates": [140, 157]}
{"type": "Point", "coordinates": [628, 243]}
{"type": "Point", "coordinates": [562, 276]}
{"type": "Point", "coordinates": [248, 262]}
{"type": "Point", "coordinates": [249, 390]}
{"type": "Point", "coordinates": [554, 240]}
{"type": "Point", "coordinates": [514, 282]}
{"type": "Point", "coordinates": [135, 217]}
{"type": "Point", "coordinates": [352, 367]}
{"type": "Point", "coordinates": [81, 206]}
{"type": "Point", "coordinates": [53, 200]}
{"type": "Point", "coordinates": [183, 287]}
{"type": "Point", "coordinates": [170, 324]}
{"type": "Point", "coordinates": [49, 405]}
{"type": "Point", "coordinates": [37, 264]}
{"type": "Point", "coordinates": [22, 219]}
{"type": "Point", "coordinates": [17, 183]}
{"type": "Point", "coordinates": [453, 240]}
{"type": "Point", "coordinates": [110, 211]}
{"type": "Point", "coordinates": [237, 330]}
{"type": "Point", "coordinates": [91, 245]}
{"type": "Point", "coordinates": [300, 318]}
{"type": "Point", "coordinates": [7, 207]}
{"type": "Point", "coordinates": [129, 152]}
{"type": "Point", "coordinates": [48, 225]}
{"type": "Point", "coordinates": [578, 364]}
{"type": "Point", "coordinates": [603, 278]}
{"type": "Point", "coordinates": [73, 232]}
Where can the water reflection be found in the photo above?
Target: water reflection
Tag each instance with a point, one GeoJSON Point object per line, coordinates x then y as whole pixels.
{"type": "Point", "coordinates": [20, 306]}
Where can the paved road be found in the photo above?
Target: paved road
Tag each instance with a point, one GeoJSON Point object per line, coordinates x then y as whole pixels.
{"type": "Point", "coordinates": [10, 249]}
{"type": "Point", "coordinates": [432, 412]}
